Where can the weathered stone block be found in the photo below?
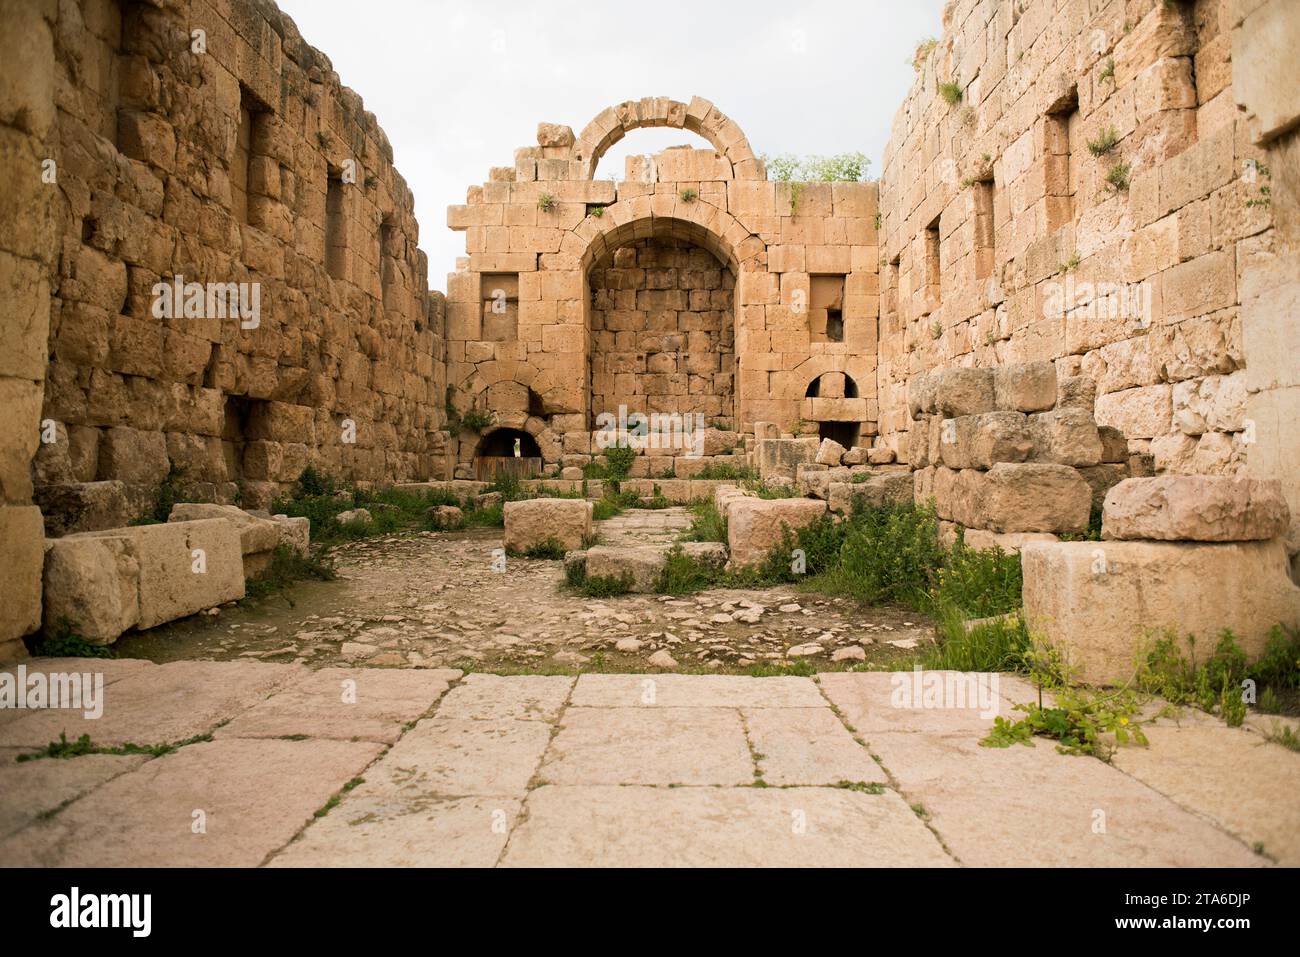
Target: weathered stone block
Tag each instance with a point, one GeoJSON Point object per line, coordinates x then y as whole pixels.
{"type": "Point", "coordinates": [830, 453]}
{"type": "Point", "coordinates": [83, 507]}
{"type": "Point", "coordinates": [1201, 508]}
{"type": "Point", "coordinates": [981, 441]}
{"type": "Point", "coordinates": [781, 457]}
{"type": "Point", "coordinates": [755, 525]}
{"type": "Point", "coordinates": [880, 490]}
{"type": "Point", "coordinates": [1034, 497]}
{"type": "Point", "coordinates": [643, 564]}
{"type": "Point", "coordinates": [962, 391]}
{"type": "Point", "coordinates": [1099, 603]}
{"type": "Point", "coordinates": [1030, 387]}
{"type": "Point", "coordinates": [1066, 437]}
{"type": "Point", "coordinates": [92, 585]}
{"type": "Point", "coordinates": [534, 522]}
{"type": "Point", "coordinates": [21, 544]}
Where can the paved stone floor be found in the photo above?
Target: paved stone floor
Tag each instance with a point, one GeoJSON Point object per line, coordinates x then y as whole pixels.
{"type": "Point", "coordinates": [283, 765]}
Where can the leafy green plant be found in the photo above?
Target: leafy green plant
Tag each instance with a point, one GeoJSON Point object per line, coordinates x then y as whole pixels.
{"type": "Point", "coordinates": [1118, 177]}
{"type": "Point", "coordinates": [546, 202]}
{"type": "Point", "coordinates": [688, 195]}
{"type": "Point", "coordinates": [683, 575]}
{"type": "Point", "coordinates": [1106, 141]}
{"type": "Point", "coordinates": [618, 461]}
{"type": "Point", "coordinates": [64, 642]}
{"type": "Point", "coordinates": [606, 586]}
{"type": "Point", "coordinates": [922, 52]}
{"type": "Point", "coordinates": [997, 645]}
{"type": "Point", "coordinates": [551, 549]}
{"type": "Point", "coordinates": [1081, 722]}
{"type": "Point", "coordinates": [1071, 264]}
{"type": "Point", "coordinates": [1107, 74]}
{"type": "Point", "coordinates": [707, 524]}
{"type": "Point", "coordinates": [951, 92]}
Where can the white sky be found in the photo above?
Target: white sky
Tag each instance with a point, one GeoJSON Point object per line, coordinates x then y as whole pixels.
{"type": "Point", "coordinates": [458, 86]}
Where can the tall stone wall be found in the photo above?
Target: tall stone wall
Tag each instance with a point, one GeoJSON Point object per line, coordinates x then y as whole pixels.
{"type": "Point", "coordinates": [28, 251]}
{"type": "Point", "coordinates": [206, 140]}
{"type": "Point", "coordinates": [662, 331]}
{"type": "Point", "coordinates": [1074, 182]}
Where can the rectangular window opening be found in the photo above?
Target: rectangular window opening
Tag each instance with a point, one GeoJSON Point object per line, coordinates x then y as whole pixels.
{"type": "Point", "coordinates": [1060, 171]}
{"type": "Point", "coordinates": [336, 248]}
{"type": "Point", "coordinates": [826, 307]}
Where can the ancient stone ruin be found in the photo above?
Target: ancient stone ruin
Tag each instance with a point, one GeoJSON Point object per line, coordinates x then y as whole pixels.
{"type": "Point", "coordinates": [1065, 299]}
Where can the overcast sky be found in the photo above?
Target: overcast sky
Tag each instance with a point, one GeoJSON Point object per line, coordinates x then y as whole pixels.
{"type": "Point", "coordinates": [458, 86]}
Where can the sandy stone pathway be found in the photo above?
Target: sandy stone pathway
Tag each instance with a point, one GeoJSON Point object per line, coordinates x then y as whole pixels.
{"type": "Point", "coordinates": [286, 766]}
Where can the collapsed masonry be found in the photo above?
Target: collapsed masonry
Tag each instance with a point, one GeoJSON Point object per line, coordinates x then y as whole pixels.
{"type": "Point", "coordinates": [1108, 190]}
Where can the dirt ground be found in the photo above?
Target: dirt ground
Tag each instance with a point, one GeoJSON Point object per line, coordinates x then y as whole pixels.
{"type": "Point", "coordinates": [433, 600]}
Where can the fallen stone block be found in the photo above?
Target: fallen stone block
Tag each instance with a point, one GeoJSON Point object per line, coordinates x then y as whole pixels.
{"type": "Point", "coordinates": [92, 587]}
{"type": "Point", "coordinates": [1101, 603]}
{"type": "Point", "coordinates": [830, 453]}
{"type": "Point", "coordinates": [185, 567]}
{"type": "Point", "coordinates": [1032, 497]}
{"type": "Point", "coordinates": [875, 492]}
{"type": "Point", "coordinates": [352, 516]}
{"type": "Point", "coordinates": [881, 456]}
{"type": "Point", "coordinates": [1199, 508]}
{"type": "Point", "coordinates": [534, 522]}
{"type": "Point", "coordinates": [817, 484]}
{"type": "Point", "coordinates": [294, 532]}
{"type": "Point", "coordinates": [255, 534]}
{"type": "Point", "coordinates": [83, 507]}
{"type": "Point", "coordinates": [755, 525]}
{"type": "Point", "coordinates": [444, 516]}
{"type": "Point", "coordinates": [644, 564]}
{"type": "Point", "coordinates": [779, 458]}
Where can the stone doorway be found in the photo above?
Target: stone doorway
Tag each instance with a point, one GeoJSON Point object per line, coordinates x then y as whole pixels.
{"type": "Point", "coordinates": [507, 452]}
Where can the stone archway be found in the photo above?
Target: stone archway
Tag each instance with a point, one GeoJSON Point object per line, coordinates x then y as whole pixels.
{"type": "Point", "coordinates": [660, 321]}
{"type": "Point", "coordinates": [699, 116]}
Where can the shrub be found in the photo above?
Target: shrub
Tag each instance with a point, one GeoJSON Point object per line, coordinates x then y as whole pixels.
{"type": "Point", "coordinates": [890, 554]}
{"type": "Point", "coordinates": [683, 574]}
{"type": "Point", "coordinates": [707, 525]}
{"type": "Point", "coordinates": [951, 93]}
{"type": "Point", "coordinates": [1105, 141]}
{"type": "Point", "coordinates": [978, 583]}
{"type": "Point", "coordinates": [606, 586]}
{"type": "Point", "coordinates": [618, 461]}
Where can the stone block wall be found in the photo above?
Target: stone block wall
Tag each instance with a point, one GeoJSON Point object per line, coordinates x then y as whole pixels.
{"type": "Point", "coordinates": [1074, 183]}
{"type": "Point", "coordinates": [662, 331]}
{"type": "Point", "coordinates": [803, 257]}
{"type": "Point", "coordinates": [206, 140]}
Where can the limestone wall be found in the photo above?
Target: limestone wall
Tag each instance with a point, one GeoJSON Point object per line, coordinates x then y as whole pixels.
{"type": "Point", "coordinates": [1090, 149]}
{"type": "Point", "coordinates": [28, 251]}
{"type": "Point", "coordinates": [804, 257]}
{"type": "Point", "coordinates": [662, 331]}
{"type": "Point", "coordinates": [205, 139]}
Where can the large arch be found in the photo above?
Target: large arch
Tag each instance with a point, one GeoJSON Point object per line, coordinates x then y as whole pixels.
{"type": "Point", "coordinates": [660, 319]}
{"type": "Point", "coordinates": [699, 116]}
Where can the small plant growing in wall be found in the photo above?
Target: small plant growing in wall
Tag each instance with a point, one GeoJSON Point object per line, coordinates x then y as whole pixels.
{"type": "Point", "coordinates": [1254, 170]}
{"type": "Point", "coordinates": [546, 202]}
{"type": "Point", "coordinates": [597, 211]}
{"type": "Point", "coordinates": [936, 329]}
{"type": "Point", "coordinates": [688, 195]}
{"type": "Point", "coordinates": [323, 139]}
{"type": "Point", "coordinates": [1104, 143]}
{"type": "Point", "coordinates": [951, 92]}
{"type": "Point", "coordinates": [795, 190]}
{"type": "Point", "coordinates": [1118, 177]}
{"type": "Point", "coordinates": [371, 181]}
{"type": "Point", "coordinates": [1071, 264]}
{"type": "Point", "coordinates": [922, 52]}
{"type": "Point", "coordinates": [1107, 74]}
{"type": "Point", "coordinates": [878, 222]}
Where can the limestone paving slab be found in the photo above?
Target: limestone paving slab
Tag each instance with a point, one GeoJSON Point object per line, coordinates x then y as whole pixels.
{"type": "Point", "coordinates": [1035, 807]}
{"type": "Point", "coordinates": [1241, 781]}
{"type": "Point", "coordinates": [694, 691]}
{"type": "Point", "coordinates": [868, 703]}
{"type": "Point", "coordinates": [459, 757]}
{"type": "Point", "coordinates": [162, 704]}
{"type": "Point", "coordinates": [370, 704]}
{"type": "Point", "coordinates": [380, 830]}
{"type": "Point", "coordinates": [649, 746]}
{"type": "Point", "coordinates": [32, 788]}
{"type": "Point", "coordinates": [483, 697]}
{"type": "Point", "coordinates": [254, 796]}
{"type": "Point", "coordinates": [807, 746]}
{"type": "Point", "coordinates": [112, 669]}
{"type": "Point", "coordinates": [719, 827]}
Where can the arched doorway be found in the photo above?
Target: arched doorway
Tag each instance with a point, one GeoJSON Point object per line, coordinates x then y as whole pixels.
{"type": "Point", "coordinates": [661, 322]}
{"type": "Point", "coordinates": [507, 452]}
